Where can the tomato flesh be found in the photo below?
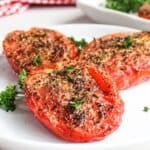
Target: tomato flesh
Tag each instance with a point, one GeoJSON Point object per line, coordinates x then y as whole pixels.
{"type": "Point", "coordinates": [123, 55]}
{"type": "Point", "coordinates": [64, 103]}
{"type": "Point", "coordinates": [37, 46]}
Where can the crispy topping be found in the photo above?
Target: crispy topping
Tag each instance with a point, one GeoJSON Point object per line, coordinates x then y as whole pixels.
{"type": "Point", "coordinates": [79, 118]}
{"type": "Point", "coordinates": [23, 47]}
{"type": "Point", "coordinates": [74, 92]}
{"type": "Point", "coordinates": [118, 53]}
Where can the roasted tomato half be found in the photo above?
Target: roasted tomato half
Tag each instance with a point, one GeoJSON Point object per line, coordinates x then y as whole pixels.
{"type": "Point", "coordinates": [77, 104]}
{"type": "Point", "coordinates": [37, 46]}
{"type": "Point", "coordinates": [126, 56]}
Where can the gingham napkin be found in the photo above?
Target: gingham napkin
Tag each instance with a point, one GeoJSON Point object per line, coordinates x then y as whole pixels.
{"type": "Point", "coordinates": [8, 7]}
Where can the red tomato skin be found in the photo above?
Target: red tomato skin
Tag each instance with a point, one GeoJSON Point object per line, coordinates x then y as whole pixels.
{"type": "Point", "coordinates": [124, 78]}
{"type": "Point", "coordinates": [13, 51]}
{"type": "Point", "coordinates": [16, 68]}
{"type": "Point", "coordinates": [131, 78]}
{"type": "Point", "coordinates": [70, 134]}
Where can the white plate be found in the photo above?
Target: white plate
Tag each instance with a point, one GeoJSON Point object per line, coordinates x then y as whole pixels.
{"type": "Point", "coordinates": [96, 10]}
{"type": "Point", "coordinates": [20, 130]}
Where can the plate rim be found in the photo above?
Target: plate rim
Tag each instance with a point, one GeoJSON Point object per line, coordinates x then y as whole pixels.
{"type": "Point", "coordinates": [108, 10]}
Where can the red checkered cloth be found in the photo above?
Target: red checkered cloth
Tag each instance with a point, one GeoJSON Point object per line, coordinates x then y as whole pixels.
{"type": "Point", "coordinates": [9, 7]}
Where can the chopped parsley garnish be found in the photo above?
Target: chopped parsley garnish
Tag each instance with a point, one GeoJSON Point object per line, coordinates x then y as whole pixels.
{"type": "Point", "coordinates": [7, 98]}
{"type": "Point", "coordinates": [146, 109]}
{"type": "Point", "coordinates": [10, 94]}
{"type": "Point", "coordinates": [22, 77]}
{"type": "Point", "coordinates": [69, 69]}
{"type": "Point", "coordinates": [76, 104]}
{"type": "Point", "coordinates": [37, 60]}
{"type": "Point", "coordinates": [125, 5]}
{"type": "Point", "coordinates": [79, 44]}
{"type": "Point", "coordinates": [127, 43]}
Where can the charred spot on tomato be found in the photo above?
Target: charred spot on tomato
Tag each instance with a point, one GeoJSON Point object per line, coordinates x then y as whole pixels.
{"type": "Point", "coordinates": [79, 118]}
{"type": "Point", "coordinates": [23, 37]}
{"type": "Point", "coordinates": [103, 109]}
{"type": "Point", "coordinates": [69, 109]}
{"type": "Point", "coordinates": [69, 79]}
{"type": "Point", "coordinates": [40, 44]}
{"type": "Point", "coordinates": [101, 114]}
{"type": "Point", "coordinates": [94, 95]}
{"type": "Point", "coordinates": [79, 84]}
{"type": "Point", "coordinates": [65, 76]}
{"type": "Point", "coordinates": [57, 52]}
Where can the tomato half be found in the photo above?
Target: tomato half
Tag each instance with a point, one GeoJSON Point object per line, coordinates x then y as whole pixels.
{"type": "Point", "coordinates": [77, 104]}
{"type": "Point", "coordinates": [37, 46]}
{"type": "Point", "coordinates": [126, 56]}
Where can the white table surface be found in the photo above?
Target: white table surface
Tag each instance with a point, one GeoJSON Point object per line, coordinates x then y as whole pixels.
{"type": "Point", "coordinates": [43, 16]}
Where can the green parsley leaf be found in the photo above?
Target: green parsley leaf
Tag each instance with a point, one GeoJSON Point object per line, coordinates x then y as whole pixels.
{"type": "Point", "coordinates": [22, 77]}
{"type": "Point", "coordinates": [125, 5]}
{"type": "Point", "coordinates": [127, 43]}
{"type": "Point", "coordinates": [79, 44]}
{"type": "Point", "coordinates": [7, 98]}
{"type": "Point", "coordinates": [146, 109]}
{"type": "Point", "coordinates": [69, 69]}
{"type": "Point", "coordinates": [37, 60]}
{"type": "Point", "coordinates": [76, 104]}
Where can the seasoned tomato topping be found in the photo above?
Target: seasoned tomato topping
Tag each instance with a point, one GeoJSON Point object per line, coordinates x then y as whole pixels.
{"type": "Point", "coordinates": [27, 49]}
{"type": "Point", "coordinates": [120, 54]}
{"type": "Point", "coordinates": [74, 102]}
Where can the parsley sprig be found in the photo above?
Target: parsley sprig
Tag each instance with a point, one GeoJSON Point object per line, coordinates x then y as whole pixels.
{"type": "Point", "coordinates": [37, 60]}
{"type": "Point", "coordinates": [12, 93]}
{"type": "Point", "coordinates": [146, 109]}
{"type": "Point", "coordinates": [22, 77]}
{"type": "Point", "coordinates": [69, 69]}
{"type": "Point", "coordinates": [79, 44]}
{"type": "Point", "coordinates": [125, 5]}
{"type": "Point", "coordinates": [76, 104]}
{"type": "Point", "coordinates": [7, 98]}
{"type": "Point", "coordinates": [128, 42]}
